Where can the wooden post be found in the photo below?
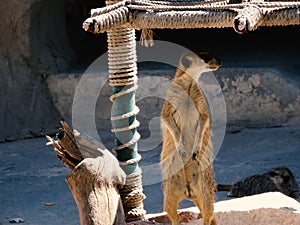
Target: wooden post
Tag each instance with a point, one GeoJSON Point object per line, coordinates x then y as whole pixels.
{"type": "Point", "coordinates": [95, 179]}
{"type": "Point", "coordinates": [97, 197]}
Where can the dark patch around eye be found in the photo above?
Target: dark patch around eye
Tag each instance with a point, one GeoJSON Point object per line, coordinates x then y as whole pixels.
{"type": "Point", "coordinates": [273, 173]}
{"type": "Point", "coordinates": [286, 178]}
{"type": "Point", "coordinates": [205, 57]}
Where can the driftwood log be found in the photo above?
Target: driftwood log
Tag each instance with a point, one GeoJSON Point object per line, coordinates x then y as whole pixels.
{"type": "Point", "coordinates": [95, 177]}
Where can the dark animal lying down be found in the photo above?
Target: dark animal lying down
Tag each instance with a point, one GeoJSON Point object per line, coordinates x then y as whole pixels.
{"type": "Point", "coordinates": [279, 179]}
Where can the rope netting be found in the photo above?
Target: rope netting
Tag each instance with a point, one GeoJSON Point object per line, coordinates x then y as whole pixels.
{"type": "Point", "coordinates": [244, 16]}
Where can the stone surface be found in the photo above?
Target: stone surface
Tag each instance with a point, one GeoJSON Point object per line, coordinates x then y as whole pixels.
{"type": "Point", "coordinates": [27, 55]}
{"type": "Point", "coordinates": [31, 175]}
{"type": "Point", "coordinates": [268, 208]}
{"type": "Point", "coordinates": [259, 216]}
{"type": "Point", "coordinates": [260, 97]}
{"type": "Point", "coordinates": [40, 37]}
{"type": "Point", "coordinates": [254, 97]}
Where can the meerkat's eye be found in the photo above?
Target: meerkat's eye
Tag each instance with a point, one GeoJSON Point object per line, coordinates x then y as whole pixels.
{"type": "Point", "coordinates": [286, 178]}
{"type": "Point", "coordinates": [194, 175]}
{"type": "Point", "coordinates": [273, 173]}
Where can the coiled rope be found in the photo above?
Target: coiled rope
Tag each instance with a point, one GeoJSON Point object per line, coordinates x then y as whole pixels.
{"type": "Point", "coordinates": [123, 78]}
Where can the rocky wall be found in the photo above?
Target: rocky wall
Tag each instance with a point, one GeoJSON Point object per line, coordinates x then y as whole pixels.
{"type": "Point", "coordinates": [254, 97]}
{"type": "Point", "coordinates": [34, 43]}
{"type": "Point", "coordinates": [41, 38]}
{"type": "Point", "coordinates": [25, 60]}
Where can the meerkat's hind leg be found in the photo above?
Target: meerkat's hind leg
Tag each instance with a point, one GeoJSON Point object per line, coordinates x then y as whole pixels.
{"type": "Point", "coordinates": [170, 206]}
{"type": "Point", "coordinates": [207, 217]}
{"type": "Point", "coordinates": [171, 209]}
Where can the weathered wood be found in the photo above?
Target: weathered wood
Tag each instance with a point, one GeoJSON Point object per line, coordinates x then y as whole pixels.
{"type": "Point", "coordinates": [88, 146]}
{"type": "Point", "coordinates": [67, 141]}
{"type": "Point", "coordinates": [61, 153]}
{"type": "Point", "coordinates": [93, 184]}
{"type": "Point", "coordinates": [95, 178]}
{"type": "Point", "coordinates": [66, 147]}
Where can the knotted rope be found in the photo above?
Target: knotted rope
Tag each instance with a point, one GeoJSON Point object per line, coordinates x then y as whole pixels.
{"type": "Point", "coordinates": [146, 14]}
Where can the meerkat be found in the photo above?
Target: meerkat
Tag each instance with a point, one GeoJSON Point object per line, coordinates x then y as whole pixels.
{"type": "Point", "coordinates": [187, 154]}
{"type": "Point", "coordinates": [279, 179]}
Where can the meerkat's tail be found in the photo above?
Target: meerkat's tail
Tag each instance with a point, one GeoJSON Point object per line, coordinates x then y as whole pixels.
{"type": "Point", "coordinates": [223, 187]}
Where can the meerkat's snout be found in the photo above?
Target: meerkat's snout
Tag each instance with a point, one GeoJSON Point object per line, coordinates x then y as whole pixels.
{"type": "Point", "coordinates": [215, 64]}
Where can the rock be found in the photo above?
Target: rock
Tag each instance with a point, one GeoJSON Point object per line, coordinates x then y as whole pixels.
{"type": "Point", "coordinates": [41, 38]}
{"type": "Point", "coordinates": [16, 220]}
{"type": "Point", "coordinates": [254, 97]}
{"type": "Point", "coordinates": [29, 52]}
{"type": "Point", "coordinates": [269, 208]}
{"type": "Point", "coordinates": [259, 97]}
{"type": "Point", "coordinates": [49, 204]}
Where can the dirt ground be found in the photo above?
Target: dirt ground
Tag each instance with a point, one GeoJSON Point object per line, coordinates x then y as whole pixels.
{"type": "Point", "coordinates": [31, 175]}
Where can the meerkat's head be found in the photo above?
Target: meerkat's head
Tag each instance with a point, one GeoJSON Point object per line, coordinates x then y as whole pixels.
{"type": "Point", "coordinates": [196, 64]}
{"type": "Point", "coordinates": [236, 189]}
{"type": "Point", "coordinates": [284, 180]}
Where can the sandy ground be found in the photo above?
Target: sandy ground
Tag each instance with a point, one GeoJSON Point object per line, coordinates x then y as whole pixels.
{"type": "Point", "coordinates": [31, 176]}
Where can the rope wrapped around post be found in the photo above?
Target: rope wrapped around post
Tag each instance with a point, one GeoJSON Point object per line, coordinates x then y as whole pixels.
{"type": "Point", "coordinates": [248, 19]}
{"type": "Point", "coordinates": [147, 14]}
{"type": "Point", "coordinates": [123, 79]}
{"type": "Point", "coordinates": [115, 18]}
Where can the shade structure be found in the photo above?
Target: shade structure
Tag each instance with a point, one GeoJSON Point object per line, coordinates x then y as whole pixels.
{"type": "Point", "coordinates": [243, 17]}
{"type": "Point", "coordinates": [120, 19]}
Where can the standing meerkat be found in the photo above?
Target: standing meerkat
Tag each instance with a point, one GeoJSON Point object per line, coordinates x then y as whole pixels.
{"type": "Point", "coordinates": [187, 154]}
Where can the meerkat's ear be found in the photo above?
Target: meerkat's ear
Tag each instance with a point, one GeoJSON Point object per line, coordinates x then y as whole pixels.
{"type": "Point", "coordinates": [186, 61]}
{"type": "Point", "coordinates": [204, 56]}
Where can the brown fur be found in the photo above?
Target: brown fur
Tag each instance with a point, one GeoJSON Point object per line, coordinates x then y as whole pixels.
{"type": "Point", "coordinates": [187, 153]}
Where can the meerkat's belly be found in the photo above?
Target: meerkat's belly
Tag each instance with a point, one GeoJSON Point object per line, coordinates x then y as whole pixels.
{"type": "Point", "coordinates": [187, 115]}
{"type": "Point", "coordinates": [187, 119]}
{"type": "Point", "coordinates": [186, 103]}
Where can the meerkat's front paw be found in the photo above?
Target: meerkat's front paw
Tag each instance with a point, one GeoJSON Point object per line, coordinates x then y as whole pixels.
{"type": "Point", "coordinates": [181, 150]}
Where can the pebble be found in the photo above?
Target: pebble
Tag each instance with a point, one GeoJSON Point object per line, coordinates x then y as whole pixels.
{"type": "Point", "coordinates": [49, 204]}
{"type": "Point", "coordinates": [16, 220]}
